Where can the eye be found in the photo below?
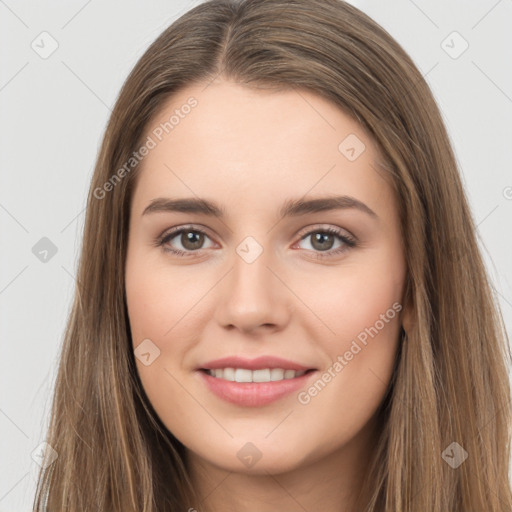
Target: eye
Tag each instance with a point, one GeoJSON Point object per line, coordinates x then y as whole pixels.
{"type": "Point", "coordinates": [324, 240]}
{"type": "Point", "coordinates": [190, 238]}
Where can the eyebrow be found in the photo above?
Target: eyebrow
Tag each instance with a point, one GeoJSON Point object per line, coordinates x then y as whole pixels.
{"type": "Point", "coordinates": [291, 208]}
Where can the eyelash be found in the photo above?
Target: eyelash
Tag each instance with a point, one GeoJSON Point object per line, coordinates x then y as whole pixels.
{"type": "Point", "coordinates": [349, 242]}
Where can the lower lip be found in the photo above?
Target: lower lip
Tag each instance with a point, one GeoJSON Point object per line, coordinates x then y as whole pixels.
{"type": "Point", "coordinates": [253, 394]}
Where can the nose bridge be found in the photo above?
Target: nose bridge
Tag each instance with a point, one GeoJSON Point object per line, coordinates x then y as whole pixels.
{"type": "Point", "coordinates": [250, 268]}
{"type": "Point", "coordinates": [251, 295]}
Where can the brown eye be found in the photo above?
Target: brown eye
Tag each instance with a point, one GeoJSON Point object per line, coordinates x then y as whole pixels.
{"type": "Point", "coordinates": [322, 241]}
{"type": "Point", "coordinates": [326, 242]}
{"type": "Point", "coordinates": [184, 241]}
{"type": "Point", "coordinates": [192, 240]}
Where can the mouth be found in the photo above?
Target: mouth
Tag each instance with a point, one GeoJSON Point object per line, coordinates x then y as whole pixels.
{"type": "Point", "coordinates": [254, 382]}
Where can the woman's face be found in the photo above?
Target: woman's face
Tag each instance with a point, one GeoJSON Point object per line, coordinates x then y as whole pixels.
{"type": "Point", "coordinates": [268, 272]}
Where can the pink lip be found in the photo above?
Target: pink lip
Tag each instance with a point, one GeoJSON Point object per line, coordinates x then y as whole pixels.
{"type": "Point", "coordinates": [253, 394]}
{"type": "Point", "coordinates": [258, 363]}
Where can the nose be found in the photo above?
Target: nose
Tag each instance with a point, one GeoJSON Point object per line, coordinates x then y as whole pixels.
{"type": "Point", "coordinates": [252, 297]}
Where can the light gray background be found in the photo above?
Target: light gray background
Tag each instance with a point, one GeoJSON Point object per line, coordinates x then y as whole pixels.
{"type": "Point", "coordinates": [53, 113]}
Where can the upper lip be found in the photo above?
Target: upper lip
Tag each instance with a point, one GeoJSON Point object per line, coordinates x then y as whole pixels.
{"type": "Point", "coordinates": [258, 363]}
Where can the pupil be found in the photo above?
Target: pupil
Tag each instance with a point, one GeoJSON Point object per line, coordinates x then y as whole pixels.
{"type": "Point", "coordinates": [320, 239]}
{"type": "Point", "coordinates": [192, 240]}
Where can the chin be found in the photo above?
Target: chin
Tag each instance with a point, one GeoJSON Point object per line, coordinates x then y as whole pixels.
{"type": "Point", "coordinates": [253, 458]}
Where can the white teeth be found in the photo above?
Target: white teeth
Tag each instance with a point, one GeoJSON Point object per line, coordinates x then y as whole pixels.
{"type": "Point", "coordinates": [276, 374]}
{"type": "Point", "coordinates": [242, 375]}
{"type": "Point", "coordinates": [263, 375]}
{"type": "Point", "coordinates": [226, 373]}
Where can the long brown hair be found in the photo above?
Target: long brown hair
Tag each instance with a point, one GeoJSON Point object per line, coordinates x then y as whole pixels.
{"type": "Point", "coordinates": [450, 384]}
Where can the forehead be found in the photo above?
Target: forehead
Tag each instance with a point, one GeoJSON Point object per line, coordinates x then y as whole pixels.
{"type": "Point", "coordinates": [260, 145]}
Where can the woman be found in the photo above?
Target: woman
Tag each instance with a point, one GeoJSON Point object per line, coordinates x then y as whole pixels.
{"type": "Point", "coordinates": [281, 304]}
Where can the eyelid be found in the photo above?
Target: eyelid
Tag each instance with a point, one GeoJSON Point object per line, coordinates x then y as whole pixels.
{"type": "Point", "coordinates": [325, 227]}
{"type": "Point", "coordinates": [184, 227]}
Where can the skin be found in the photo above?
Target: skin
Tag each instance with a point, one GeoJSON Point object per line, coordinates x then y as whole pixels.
{"type": "Point", "coordinates": [250, 151]}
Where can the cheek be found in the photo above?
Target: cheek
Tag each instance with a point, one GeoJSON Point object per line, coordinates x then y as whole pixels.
{"type": "Point", "coordinates": [159, 304]}
{"type": "Point", "coordinates": [361, 317]}
{"type": "Point", "coordinates": [157, 300]}
{"type": "Point", "coordinates": [358, 299]}
{"type": "Point", "coordinates": [163, 307]}
{"type": "Point", "coordinates": [347, 393]}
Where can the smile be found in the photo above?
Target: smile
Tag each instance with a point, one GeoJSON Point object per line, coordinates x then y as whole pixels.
{"type": "Point", "coordinates": [263, 375]}
{"type": "Point", "coordinates": [254, 388]}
